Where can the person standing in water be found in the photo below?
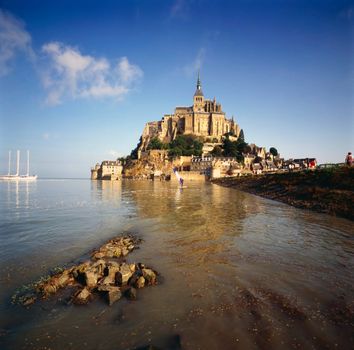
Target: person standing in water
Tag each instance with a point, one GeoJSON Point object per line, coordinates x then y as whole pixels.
{"type": "Point", "coordinates": [181, 181]}
{"type": "Point", "coordinates": [179, 178]}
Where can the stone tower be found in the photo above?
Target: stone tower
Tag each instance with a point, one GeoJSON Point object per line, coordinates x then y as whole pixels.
{"type": "Point", "coordinates": [198, 99]}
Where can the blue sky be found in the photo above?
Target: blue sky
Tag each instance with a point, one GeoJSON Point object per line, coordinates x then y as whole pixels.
{"type": "Point", "coordinates": [79, 79]}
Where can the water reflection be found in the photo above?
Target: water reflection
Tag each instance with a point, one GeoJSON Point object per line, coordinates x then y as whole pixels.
{"type": "Point", "coordinates": [17, 194]}
{"type": "Point", "coordinates": [106, 190]}
{"type": "Point", "coordinates": [237, 271]}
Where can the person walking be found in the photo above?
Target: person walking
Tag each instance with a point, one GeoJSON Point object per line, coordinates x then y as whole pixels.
{"type": "Point", "coordinates": [349, 159]}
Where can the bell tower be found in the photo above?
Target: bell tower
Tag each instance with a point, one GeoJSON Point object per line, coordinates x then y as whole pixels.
{"type": "Point", "coordinates": [198, 99]}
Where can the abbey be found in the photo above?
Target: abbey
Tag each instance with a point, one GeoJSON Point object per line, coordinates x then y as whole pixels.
{"type": "Point", "coordinates": [205, 118]}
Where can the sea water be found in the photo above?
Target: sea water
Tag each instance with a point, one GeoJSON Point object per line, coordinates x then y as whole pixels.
{"type": "Point", "coordinates": [236, 271]}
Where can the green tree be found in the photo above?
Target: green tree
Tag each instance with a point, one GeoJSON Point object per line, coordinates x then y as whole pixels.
{"type": "Point", "coordinates": [273, 151]}
{"type": "Point", "coordinates": [241, 146]}
{"type": "Point", "coordinates": [217, 151]}
{"type": "Point", "coordinates": [155, 143]}
{"type": "Point", "coordinates": [229, 148]}
{"type": "Point", "coordinates": [134, 152]}
{"type": "Point", "coordinates": [175, 152]}
{"type": "Point", "coordinates": [241, 136]}
{"type": "Point", "coordinates": [247, 149]}
{"type": "Point", "coordinates": [185, 145]}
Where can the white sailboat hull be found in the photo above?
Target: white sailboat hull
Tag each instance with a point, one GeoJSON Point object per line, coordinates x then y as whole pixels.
{"type": "Point", "coordinates": [18, 177]}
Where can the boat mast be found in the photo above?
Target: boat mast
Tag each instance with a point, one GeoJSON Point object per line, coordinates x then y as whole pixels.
{"type": "Point", "coordinates": [27, 162]}
{"type": "Point", "coordinates": [9, 173]}
{"type": "Point", "coordinates": [18, 163]}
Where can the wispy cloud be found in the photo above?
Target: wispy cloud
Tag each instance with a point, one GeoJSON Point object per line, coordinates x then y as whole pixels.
{"type": "Point", "coordinates": [192, 67]}
{"type": "Point", "coordinates": [65, 72]}
{"type": "Point", "coordinates": [13, 39]}
{"type": "Point", "coordinates": [46, 136]}
{"type": "Point", "coordinates": [71, 74]}
{"type": "Point", "coordinates": [113, 153]}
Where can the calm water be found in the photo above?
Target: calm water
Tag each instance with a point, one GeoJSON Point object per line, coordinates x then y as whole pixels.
{"type": "Point", "coordinates": [238, 271]}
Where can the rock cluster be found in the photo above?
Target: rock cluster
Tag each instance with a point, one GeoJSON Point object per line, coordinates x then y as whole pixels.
{"type": "Point", "coordinates": [105, 274]}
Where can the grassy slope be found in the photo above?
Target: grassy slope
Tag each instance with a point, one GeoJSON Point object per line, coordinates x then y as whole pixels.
{"type": "Point", "coordinates": [328, 191]}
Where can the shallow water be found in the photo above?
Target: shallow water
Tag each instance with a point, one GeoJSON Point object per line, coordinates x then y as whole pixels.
{"type": "Point", "coordinates": [237, 271]}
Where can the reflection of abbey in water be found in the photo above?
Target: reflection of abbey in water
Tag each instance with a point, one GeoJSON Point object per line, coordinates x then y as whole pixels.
{"type": "Point", "coordinates": [205, 118]}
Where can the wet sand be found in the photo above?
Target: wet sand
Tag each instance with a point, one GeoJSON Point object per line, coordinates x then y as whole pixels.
{"type": "Point", "coordinates": [324, 191]}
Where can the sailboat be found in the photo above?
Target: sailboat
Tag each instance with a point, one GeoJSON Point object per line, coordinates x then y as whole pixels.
{"type": "Point", "coordinates": [17, 176]}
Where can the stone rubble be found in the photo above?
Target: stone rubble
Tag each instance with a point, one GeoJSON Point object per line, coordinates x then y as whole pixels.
{"type": "Point", "coordinates": [105, 274]}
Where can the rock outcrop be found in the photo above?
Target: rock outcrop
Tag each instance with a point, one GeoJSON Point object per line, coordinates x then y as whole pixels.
{"type": "Point", "coordinates": [106, 274]}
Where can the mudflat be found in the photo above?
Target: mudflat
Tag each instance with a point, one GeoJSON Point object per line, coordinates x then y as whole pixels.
{"type": "Point", "coordinates": [328, 191]}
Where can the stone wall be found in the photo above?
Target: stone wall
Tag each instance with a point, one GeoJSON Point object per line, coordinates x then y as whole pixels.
{"type": "Point", "coordinates": [189, 176]}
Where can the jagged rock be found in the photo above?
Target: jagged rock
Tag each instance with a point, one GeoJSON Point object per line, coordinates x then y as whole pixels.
{"type": "Point", "coordinates": [127, 241]}
{"type": "Point", "coordinates": [48, 289]}
{"type": "Point", "coordinates": [28, 299]}
{"type": "Point", "coordinates": [79, 270]}
{"type": "Point", "coordinates": [113, 263]}
{"type": "Point", "coordinates": [108, 254]}
{"type": "Point", "coordinates": [134, 278]}
{"type": "Point", "coordinates": [149, 275]}
{"type": "Point", "coordinates": [112, 270]}
{"type": "Point", "coordinates": [100, 266]}
{"type": "Point", "coordinates": [117, 252]}
{"type": "Point", "coordinates": [108, 280]}
{"type": "Point", "coordinates": [90, 278]}
{"type": "Point", "coordinates": [140, 283]}
{"type": "Point", "coordinates": [102, 273]}
{"type": "Point", "coordinates": [65, 278]}
{"type": "Point", "coordinates": [98, 255]}
{"type": "Point", "coordinates": [82, 296]}
{"type": "Point", "coordinates": [125, 251]}
{"type": "Point", "coordinates": [110, 274]}
{"type": "Point", "coordinates": [130, 293]}
{"type": "Point", "coordinates": [122, 277]}
{"type": "Point", "coordinates": [112, 293]}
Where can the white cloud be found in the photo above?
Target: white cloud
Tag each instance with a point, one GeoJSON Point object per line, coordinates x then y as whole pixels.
{"type": "Point", "coordinates": [113, 153]}
{"type": "Point", "coordinates": [196, 65]}
{"type": "Point", "coordinates": [66, 72]}
{"type": "Point", "coordinates": [13, 39]}
{"type": "Point", "coordinates": [127, 71]}
{"type": "Point", "coordinates": [70, 74]}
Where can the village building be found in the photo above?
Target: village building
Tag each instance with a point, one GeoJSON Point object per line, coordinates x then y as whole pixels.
{"type": "Point", "coordinates": [216, 166]}
{"type": "Point", "coordinates": [108, 170]}
{"type": "Point", "coordinates": [258, 151]}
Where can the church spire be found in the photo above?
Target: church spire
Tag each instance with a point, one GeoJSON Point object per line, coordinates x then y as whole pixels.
{"type": "Point", "coordinates": [199, 91]}
{"type": "Point", "coordinates": [199, 85]}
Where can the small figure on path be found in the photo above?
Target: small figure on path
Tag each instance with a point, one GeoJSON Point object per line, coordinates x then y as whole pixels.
{"type": "Point", "coordinates": [349, 159]}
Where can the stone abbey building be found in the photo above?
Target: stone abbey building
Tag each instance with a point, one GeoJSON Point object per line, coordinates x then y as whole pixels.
{"type": "Point", "coordinates": [205, 118]}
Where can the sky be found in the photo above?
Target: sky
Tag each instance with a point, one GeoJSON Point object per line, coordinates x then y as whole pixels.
{"type": "Point", "coordinates": [79, 79]}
